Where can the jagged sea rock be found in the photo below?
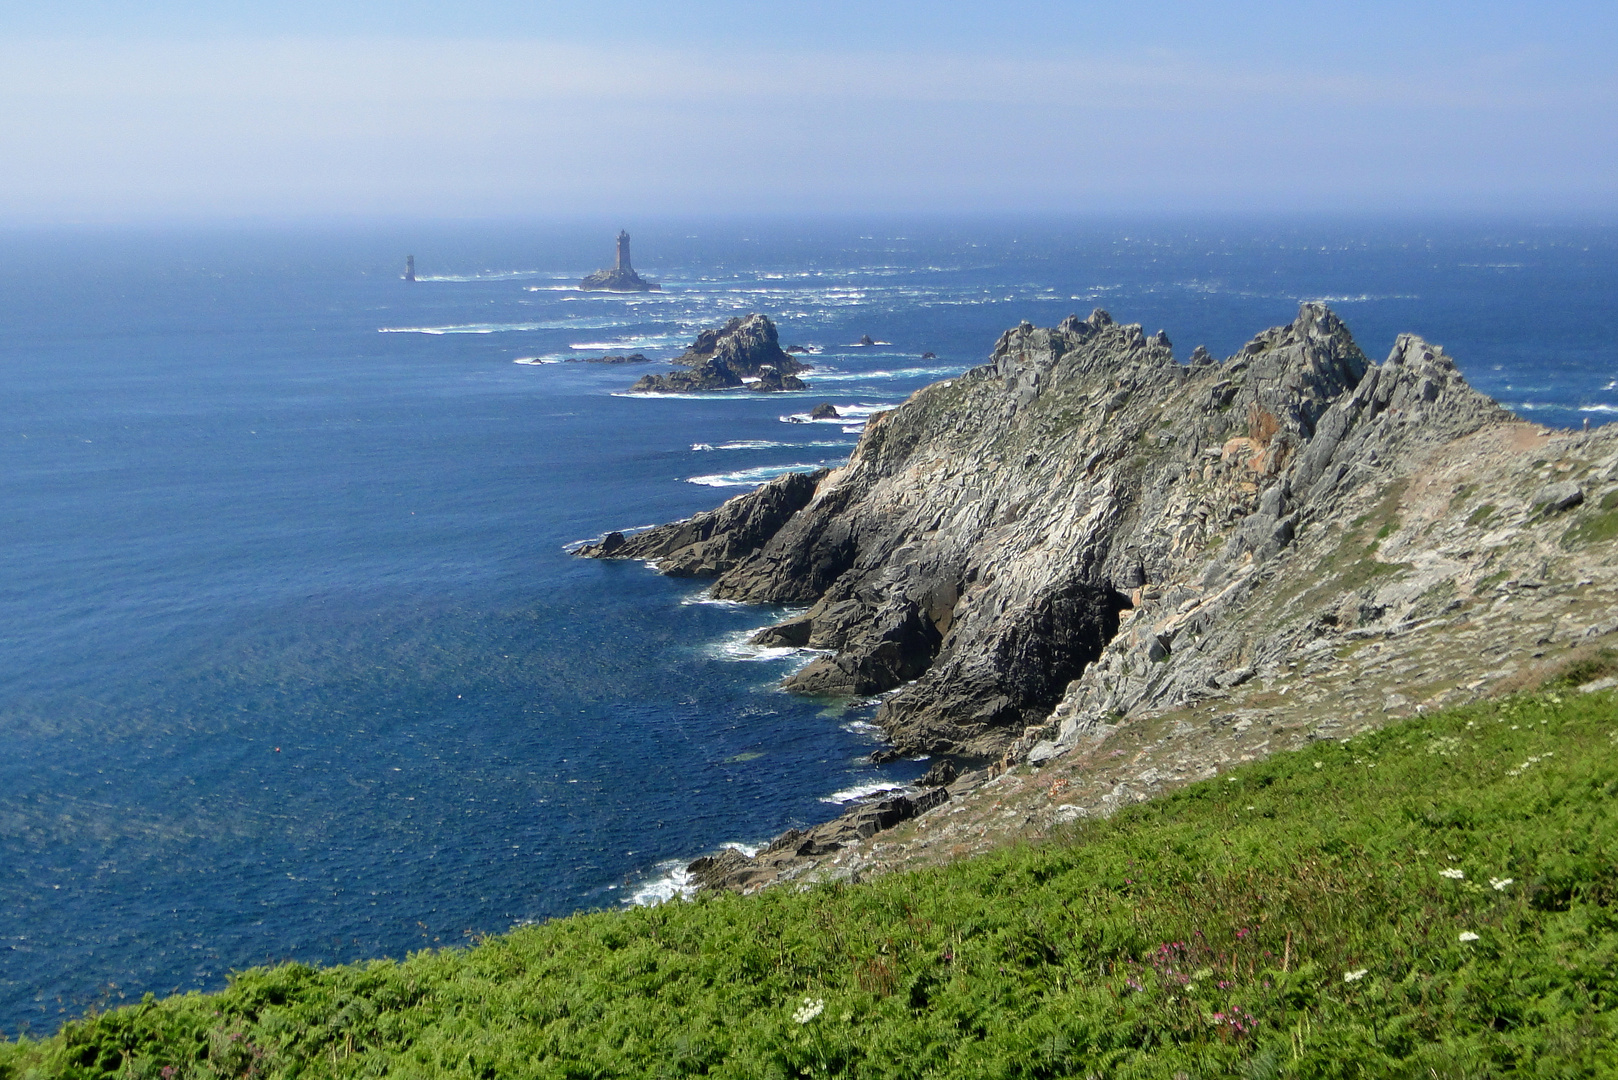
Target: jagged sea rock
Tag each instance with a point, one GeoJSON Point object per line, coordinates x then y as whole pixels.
{"type": "Point", "coordinates": [724, 358]}
{"type": "Point", "coordinates": [1084, 529]}
{"type": "Point", "coordinates": [631, 358]}
{"type": "Point", "coordinates": [824, 411]}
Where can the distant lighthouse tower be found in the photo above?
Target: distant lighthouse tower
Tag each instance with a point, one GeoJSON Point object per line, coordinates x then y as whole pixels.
{"type": "Point", "coordinates": [410, 268]}
{"type": "Point", "coordinates": [622, 276]}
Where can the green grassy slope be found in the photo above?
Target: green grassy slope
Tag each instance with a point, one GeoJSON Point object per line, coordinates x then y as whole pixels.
{"type": "Point", "coordinates": [1436, 899]}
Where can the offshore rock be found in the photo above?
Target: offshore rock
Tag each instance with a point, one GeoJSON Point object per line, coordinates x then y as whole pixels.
{"type": "Point", "coordinates": [1084, 531]}
{"type": "Point", "coordinates": [616, 280]}
{"type": "Point", "coordinates": [769, 379]}
{"type": "Point", "coordinates": [631, 358]}
{"type": "Point", "coordinates": [726, 357]}
{"type": "Point", "coordinates": [825, 411]}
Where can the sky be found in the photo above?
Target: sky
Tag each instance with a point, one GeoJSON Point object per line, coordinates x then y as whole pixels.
{"type": "Point", "coordinates": [162, 110]}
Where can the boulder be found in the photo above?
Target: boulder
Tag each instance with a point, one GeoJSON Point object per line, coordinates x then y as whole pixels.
{"type": "Point", "coordinates": [824, 411]}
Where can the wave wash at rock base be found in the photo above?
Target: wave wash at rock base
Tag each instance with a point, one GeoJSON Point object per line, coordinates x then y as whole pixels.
{"type": "Point", "coordinates": [988, 538]}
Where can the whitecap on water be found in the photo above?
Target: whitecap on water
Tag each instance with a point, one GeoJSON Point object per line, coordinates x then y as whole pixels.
{"type": "Point", "coordinates": [750, 477]}
{"type": "Point", "coordinates": [738, 646]}
{"type": "Point", "coordinates": [845, 413]}
{"type": "Point", "coordinates": [861, 791]}
{"type": "Point", "coordinates": [500, 328]}
{"type": "Point", "coordinates": [575, 545]}
{"type": "Point", "coordinates": [896, 373]}
{"type": "Point", "coordinates": [538, 360]}
{"type": "Point", "coordinates": [673, 881]}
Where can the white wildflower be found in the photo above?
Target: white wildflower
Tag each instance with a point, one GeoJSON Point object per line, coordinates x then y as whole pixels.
{"type": "Point", "coordinates": [812, 1007]}
{"type": "Point", "coordinates": [1452, 873]}
{"type": "Point", "coordinates": [1320, 764]}
{"type": "Point", "coordinates": [1355, 976]}
{"type": "Point", "coordinates": [1467, 935]}
{"type": "Point", "coordinates": [1498, 884]}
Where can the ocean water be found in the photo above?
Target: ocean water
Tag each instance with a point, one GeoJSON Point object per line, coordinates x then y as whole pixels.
{"type": "Point", "coordinates": [294, 663]}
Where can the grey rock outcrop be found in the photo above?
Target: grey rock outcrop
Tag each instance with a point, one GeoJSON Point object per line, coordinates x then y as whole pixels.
{"type": "Point", "coordinates": [725, 358]}
{"type": "Point", "coordinates": [713, 542]}
{"type": "Point", "coordinates": [1084, 529]}
{"type": "Point", "coordinates": [799, 850]}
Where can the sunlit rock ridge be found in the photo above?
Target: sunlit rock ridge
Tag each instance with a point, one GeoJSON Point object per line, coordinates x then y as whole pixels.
{"type": "Point", "coordinates": [1085, 530]}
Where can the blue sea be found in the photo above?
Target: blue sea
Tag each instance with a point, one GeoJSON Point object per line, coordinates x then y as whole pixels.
{"type": "Point", "coordinates": [294, 661]}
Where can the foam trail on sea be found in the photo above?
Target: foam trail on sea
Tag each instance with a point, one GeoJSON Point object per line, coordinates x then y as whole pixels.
{"type": "Point", "coordinates": [750, 477]}
{"type": "Point", "coordinates": [574, 545]}
{"type": "Point", "coordinates": [884, 373]}
{"type": "Point", "coordinates": [672, 882]}
{"type": "Point", "coordinates": [500, 328]}
{"type": "Point", "coordinates": [738, 646]}
{"type": "Point", "coordinates": [492, 275]}
{"type": "Point", "coordinates": [845, 413]}
{"type": "Point", "coordinates": [861, 791]}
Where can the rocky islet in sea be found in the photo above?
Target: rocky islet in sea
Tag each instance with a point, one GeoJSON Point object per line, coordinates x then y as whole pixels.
{"type": "Point", "coordinates": [745, 352]}
{"type": "Point", "coordinates": [1050, 554]}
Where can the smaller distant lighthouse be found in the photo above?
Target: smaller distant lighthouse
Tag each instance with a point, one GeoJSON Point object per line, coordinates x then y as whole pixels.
{"type": "Point", "coordinates": [623, 252]}
{"type": "Point", "coordinates": [410, 268]}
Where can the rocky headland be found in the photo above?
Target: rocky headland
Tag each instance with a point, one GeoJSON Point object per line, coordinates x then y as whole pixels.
{"type": "Point", "coordinates": [1088, 572]}
{"type": "Point", "coordinates": [744, 352]}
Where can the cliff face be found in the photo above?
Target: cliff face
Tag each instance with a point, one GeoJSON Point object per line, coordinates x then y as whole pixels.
{"type": "Point", "coordinates": [1084, 529]}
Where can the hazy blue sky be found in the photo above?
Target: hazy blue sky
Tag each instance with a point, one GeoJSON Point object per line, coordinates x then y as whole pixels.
{"type": "Point", "coordinates": [118, 110]}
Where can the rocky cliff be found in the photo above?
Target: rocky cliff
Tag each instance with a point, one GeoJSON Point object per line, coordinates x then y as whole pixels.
{"type": "Point", "coordinates": [726, 357]}
{"type": "Point", "coordinates": [1085, 530]}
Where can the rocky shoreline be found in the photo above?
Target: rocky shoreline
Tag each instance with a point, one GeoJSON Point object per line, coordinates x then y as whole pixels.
{"type": "Point", "coordinates": [1088, 572]}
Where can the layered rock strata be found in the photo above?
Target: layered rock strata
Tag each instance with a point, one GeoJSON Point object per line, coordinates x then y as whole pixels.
{"type": "Point", "coordinates": [743, 352]}
{"type": "Point", "coordinates": [1053, 556]}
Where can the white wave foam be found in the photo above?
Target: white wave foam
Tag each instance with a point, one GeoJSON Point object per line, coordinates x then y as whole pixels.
{"type": "Point", "coordinates": [737, 394]}
{"type": "Point", "coordinates": [574, 545]}
{"type": "Point", "coordinates": [738, 646]}
{"type": "Point", "coordinates": [705, 597]}
{"type": "Point", "coordinates": [845, 413]}
{"type": "Point", "coordinates": [895, 373]}
{"type": "Point", "coordinates": [1600, 408]}
{"type": "Point", "coordinates": [489, 275]}
{"type": "Point", "coordinates": [672, 882]}
{"type": "Point", "coordinates": [538, 360]}
{"type": "Point", "coordinates": [861, 791]}
{"type": "Point", "coordinates": [862, 727]}
{"type": "Point", "coordinates": [503, 328]}
{"type": "Point", "coordinates": [750, 477]}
